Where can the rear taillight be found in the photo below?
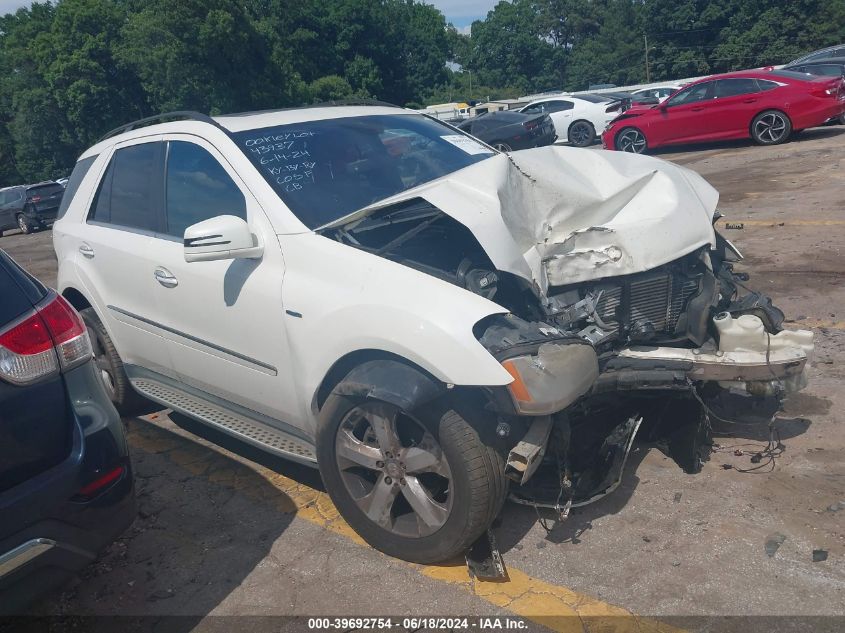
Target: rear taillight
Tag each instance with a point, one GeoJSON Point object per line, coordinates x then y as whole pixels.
{"type": "Point", "coordinates": [530, 125]}
{"type": "Point", "coordinates": [49, 339]}
{"type": "Point", "coordinates": [103, 481]}
{"type": "Point", "coordinates": [827, 90]}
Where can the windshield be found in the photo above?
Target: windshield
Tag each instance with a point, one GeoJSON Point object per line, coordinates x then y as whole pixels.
{"type": "Point", "coordinates": [324, 170]}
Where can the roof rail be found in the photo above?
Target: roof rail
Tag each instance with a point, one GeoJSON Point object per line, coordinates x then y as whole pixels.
{"type": "Point", "coordinates": [188, 115]}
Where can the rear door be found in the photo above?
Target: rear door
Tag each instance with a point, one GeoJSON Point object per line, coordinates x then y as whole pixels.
{"type": "Point", "coordinates": [684, 116]}
{"type": "Point", "coordinates": [114, 244]}
{"type": "Point", "coordinates": [735, 103]}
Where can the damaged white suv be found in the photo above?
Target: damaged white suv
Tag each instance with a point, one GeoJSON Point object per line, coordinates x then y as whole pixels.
{"type": "Point", "coordinates": [433, 323]}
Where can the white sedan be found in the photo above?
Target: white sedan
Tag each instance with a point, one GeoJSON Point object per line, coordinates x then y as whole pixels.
{"type": "Point", "coordinates": [576, 118]}
{"type": "Point", "coordinates": [661, 93]}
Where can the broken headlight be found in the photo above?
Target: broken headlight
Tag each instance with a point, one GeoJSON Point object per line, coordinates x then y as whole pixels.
{"type": "Point", "coordinates": [553, 378]}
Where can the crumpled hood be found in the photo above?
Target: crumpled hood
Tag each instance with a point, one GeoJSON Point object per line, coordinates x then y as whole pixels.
{"type": "Point", "coordinates": [560, 215]}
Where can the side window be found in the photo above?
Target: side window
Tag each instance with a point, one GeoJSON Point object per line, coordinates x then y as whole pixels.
{"type": "Point", "coordinates": [766, 85]}
{"type": "Point", "coordinates": [698, 92]}
{"type": "Point", "coordinates": [3, 198]}
{"type": "Point", "coordinates": [76, 178]}
{"type": "Point", "coordinates": [126, 194]}
{"type": "Point", "coordinates": [735, 87]}
{"type": "Point", "coordinates": [533, 109]}
{"type": "Point", "coordinates": [198, 188]}
{"type": "Point", "coordinates": [559, 106]}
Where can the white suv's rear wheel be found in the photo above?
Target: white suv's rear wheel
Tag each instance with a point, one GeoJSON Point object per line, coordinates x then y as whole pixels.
{"type": "Point", "coordinates": [126, 400]}
{"type": "Point", "coordinates": [421, 486]}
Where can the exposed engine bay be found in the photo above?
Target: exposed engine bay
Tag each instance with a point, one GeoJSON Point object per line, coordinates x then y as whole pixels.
{"type": "Point", "coordinates": [654, 353]}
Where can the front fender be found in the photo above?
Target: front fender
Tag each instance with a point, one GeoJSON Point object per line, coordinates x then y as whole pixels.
{"type": "Point", "coordinates": [339, 300]}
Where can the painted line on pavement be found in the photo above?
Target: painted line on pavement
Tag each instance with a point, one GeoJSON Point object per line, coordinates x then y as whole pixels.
{"type": "Point", "coordinates": [778, 223]}
{"type": "Point", "coordinates": [552, 606]}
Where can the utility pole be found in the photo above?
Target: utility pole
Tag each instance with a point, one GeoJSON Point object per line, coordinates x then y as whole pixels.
{"type": "Point", "coordinates": [647, 72]}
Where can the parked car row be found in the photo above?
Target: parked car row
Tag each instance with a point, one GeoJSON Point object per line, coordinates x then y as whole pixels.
{"type": "Point", "coordinates": [766, 105]}
{"type": "Point", "coordinates": [28, 207]}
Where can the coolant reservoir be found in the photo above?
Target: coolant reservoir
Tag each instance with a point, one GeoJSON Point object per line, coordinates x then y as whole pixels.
{"type": "Point", "coordinates": [747, 334]}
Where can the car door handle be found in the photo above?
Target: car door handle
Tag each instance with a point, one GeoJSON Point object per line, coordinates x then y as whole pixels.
{"type": "Point", "coordinates": [698, 109]}
{"type": "Point", "coordinates": [165, 278]}
{"type": "Point", "coordinates": [750, 101]}
{"type": "Point", "coordinates": [86, 251]}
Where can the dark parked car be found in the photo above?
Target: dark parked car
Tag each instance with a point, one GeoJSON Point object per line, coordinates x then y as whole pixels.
{"type": "Point", "coordinates": [28, 207]}
{"type": "Point", "coordinates": [829, 67]}
{"type": "Point", "coordinates": [824, 53]}
{"type": "Point", "coordinates": [508, 130]}
{"type": "Point", "coordinates": [66, 486]}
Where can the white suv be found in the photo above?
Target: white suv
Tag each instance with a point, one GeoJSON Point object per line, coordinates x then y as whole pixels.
{"type": "Point", "coordinates": [431, 322]}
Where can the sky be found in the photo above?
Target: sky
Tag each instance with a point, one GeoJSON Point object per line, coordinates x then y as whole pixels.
{"type": "Point", "coordinates": [461, 13]}
{"type": "Point", "coordinates": [10, 6]}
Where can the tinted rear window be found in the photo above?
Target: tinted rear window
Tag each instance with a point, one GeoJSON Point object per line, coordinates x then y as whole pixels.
{"type": "Point", "coordinates": [126, 197]}
{"type": "Point", "coordinates": [789, 74]}
{"type": "Point", "coordinates": [324, 170]}
{"type": "Point", "coordinates": [45, 190]}
{"type": "Point", "coordinates": [79, 173]}
{"type": "Point", "coordinates": [595, 98]}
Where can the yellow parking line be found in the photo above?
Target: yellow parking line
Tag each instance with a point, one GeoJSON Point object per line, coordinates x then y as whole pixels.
{"type": "Point", "coordinates": [552, 606]}
{"type": "Point", "coordinates": [723, 221]}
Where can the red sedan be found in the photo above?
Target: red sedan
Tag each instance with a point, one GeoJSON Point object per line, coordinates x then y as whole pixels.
{"type": "Point", "coordinates": [767, 106]}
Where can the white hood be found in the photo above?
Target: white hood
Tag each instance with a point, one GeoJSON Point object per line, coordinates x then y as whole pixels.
{"type": "Point", "coordinates": [560, 215]}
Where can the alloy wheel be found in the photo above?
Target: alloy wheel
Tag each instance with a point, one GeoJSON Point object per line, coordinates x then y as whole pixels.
{"type": "Point", "coordinates": [770, 128]}
{"type": "Point", "coordinates": [581, 135]}
{"type": "Point", "coordinates": [631, 140]}
{"type": "Point", "coordinates": [394, 469]}
{"type": "Point", "coordinates": [23, 225]}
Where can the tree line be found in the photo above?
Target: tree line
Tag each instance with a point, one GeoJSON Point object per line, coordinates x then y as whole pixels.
{"type": "Point", "coordinates": [74, 69]}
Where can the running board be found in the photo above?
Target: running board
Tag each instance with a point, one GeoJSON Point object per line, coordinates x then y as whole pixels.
{"type": "Point", "coordinates": [244, 428]}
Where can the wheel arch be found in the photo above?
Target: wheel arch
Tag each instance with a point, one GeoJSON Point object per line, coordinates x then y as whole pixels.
{"type": "Point", "coordinates": [587, 121]}
{"type": "Point", "coordinates": [76, 298]}
{"type": "Point", "coordinates": [378, 374]}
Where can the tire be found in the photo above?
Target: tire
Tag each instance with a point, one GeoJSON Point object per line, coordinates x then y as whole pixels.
{"type": "Point", "coordinates": [632, 140]}
{"type": "Point", "coordinates": [110, 369]}
{"type": "Point", "coordinates": [466, 484]}
{"type": "Point", "coordinates": [502, 147]}
{"type": "Point", "coordinates": [25, 225]}
{"type": "Point", "coordinates": [771, 127]}
{"type": "Point", "coordinates": [581, 134]}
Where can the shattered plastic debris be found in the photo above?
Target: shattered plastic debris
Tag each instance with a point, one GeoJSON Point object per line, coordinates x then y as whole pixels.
{"type": "Point", "coordinates": [819, 555]}
{"type": "Point", "coordinates": [773, 543]}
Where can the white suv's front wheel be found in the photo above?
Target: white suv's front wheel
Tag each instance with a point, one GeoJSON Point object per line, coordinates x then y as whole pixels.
{"type": "Point", "coordinates": [419, 486]}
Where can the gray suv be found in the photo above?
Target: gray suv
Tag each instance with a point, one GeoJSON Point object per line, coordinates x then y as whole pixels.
{"type": "Point", "coordinates": [28, 207]}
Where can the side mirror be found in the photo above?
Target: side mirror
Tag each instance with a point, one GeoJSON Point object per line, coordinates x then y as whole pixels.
{"type": "Point", "coordinates": [223, 237]}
